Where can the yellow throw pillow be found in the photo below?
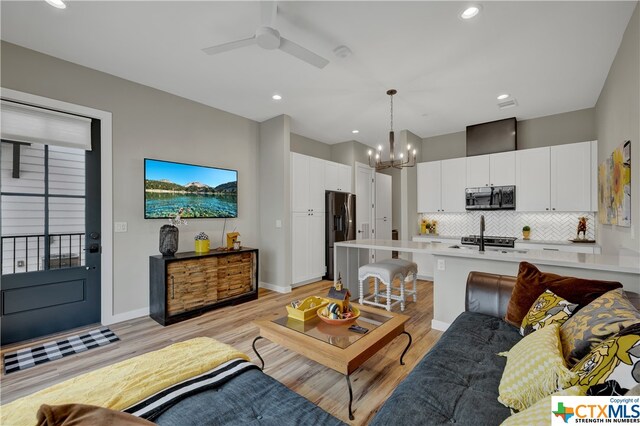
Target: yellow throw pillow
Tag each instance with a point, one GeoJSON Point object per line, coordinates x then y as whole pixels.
{"type": "Point", "coordinates": [548, 308]}
{"type": "Point", "coordinates": [535, 369]}
{"type": "Point", "coordinates": [539, 413]}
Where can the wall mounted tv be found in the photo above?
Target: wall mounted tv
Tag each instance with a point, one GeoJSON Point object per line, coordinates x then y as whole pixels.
{"type": "Point", "coordinates": [197, 191]}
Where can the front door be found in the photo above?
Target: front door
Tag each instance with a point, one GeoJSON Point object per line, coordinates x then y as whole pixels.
{"type": "Point", "coordinates": [50, 238]}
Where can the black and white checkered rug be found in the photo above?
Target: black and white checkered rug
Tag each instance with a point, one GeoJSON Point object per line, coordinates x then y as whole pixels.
{"type": "Point", "coordinates": [32, 356]}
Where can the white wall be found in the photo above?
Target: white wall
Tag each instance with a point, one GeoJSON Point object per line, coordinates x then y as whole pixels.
{"type": "Point", "coordinates": [618, 120]}
{"type": "Point", "coordinates": [275, 203]}
{"type": "Point", "coordinates": [147, 123]}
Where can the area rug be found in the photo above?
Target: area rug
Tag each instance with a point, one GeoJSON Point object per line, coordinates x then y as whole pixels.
{"type": "Point", "coordinates": [36, 355]}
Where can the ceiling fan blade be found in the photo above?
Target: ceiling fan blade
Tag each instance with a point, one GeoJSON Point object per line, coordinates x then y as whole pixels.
{"type": "Point", "coordinates": [213, 50]}
{"type": "Point", "coordinates": [268, 10]}
{"type": "Point", "coordinates": [301, 53]}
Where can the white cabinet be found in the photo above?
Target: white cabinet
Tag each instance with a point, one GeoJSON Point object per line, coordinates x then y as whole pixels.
{"type": "Point", "coordinates": [594, 176]}
{"type": "Point", "coordinates": [337, 177]}
{"type": "Point", "coordinates": [571, 248]}
{"type": "Point", "coordinates": [491, 170]}
{"type": "Point", "coordinates": [307, 246]}
{"type": "Point", "coordinates": [571, 177]}
{"type": "Point", "coordinates": [383, 200]}
{"type": "Point", "coordinates": [429, 187]}
{"type": "Point", "coordinates": [502, 169]}
{"type": "Point", "coordinates": [441, 186]}
{"type": "Point", "coordinates": [478, 171]}
{"type": "Point", "coordinates": [453, 183]}
{"type": "Point", "coordinates": [307, 183]}
{"type": "Point", "coordinates": [533, 179]}
{"type": "Point", "coordinates": [557, 178]}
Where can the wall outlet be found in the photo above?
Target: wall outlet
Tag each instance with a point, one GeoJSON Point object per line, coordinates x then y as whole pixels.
{"type": "Point", "coordinates": [441, 266]}
{"type": "Point", "coordinates": [278, 223]}
{"type": "Point", "coordinates": [120, 227]}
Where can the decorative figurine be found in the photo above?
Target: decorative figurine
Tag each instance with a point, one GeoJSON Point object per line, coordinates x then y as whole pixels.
{"type": "Point", "coordinates": [340, 295]}
{"type": "Point", "coordinates": [582, 227]}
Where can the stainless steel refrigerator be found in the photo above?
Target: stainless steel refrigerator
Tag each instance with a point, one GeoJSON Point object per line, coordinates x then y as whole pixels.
{"type": "Point", "coordinates": [340, 224]}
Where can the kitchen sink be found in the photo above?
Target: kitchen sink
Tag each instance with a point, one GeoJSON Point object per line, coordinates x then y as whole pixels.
{"type": "Point", "coordinates": [491, 249]}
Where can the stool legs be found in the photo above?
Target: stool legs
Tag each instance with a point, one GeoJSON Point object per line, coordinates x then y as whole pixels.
{"type": "Point", "coordinates": [401, 293]}
{"type": "Point", "coordinates": [362, 290]}
{"type": "Point", "coordinates": [389, 297]}
{"type": "Point", "coordinates": [415, 278]}
{"type": "Point", "coordinates": [376, 289]}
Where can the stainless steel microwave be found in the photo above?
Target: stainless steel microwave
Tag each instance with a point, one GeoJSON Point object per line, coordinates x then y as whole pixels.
{"type": "Point", "coordinates": [491, 198]}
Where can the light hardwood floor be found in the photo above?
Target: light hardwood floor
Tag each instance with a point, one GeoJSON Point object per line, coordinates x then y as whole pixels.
{"type": "Point", "coordinates": [372, 383]}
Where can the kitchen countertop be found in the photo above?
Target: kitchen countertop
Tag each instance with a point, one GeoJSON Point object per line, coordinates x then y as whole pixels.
{"type": "Point", "coordinates": [519, 240]}
{"type": "Point", "coordinates": [625, 264]}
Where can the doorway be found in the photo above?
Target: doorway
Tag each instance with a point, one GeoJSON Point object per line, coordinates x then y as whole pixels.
{"type": "Point", "coordinates": [51, 241]}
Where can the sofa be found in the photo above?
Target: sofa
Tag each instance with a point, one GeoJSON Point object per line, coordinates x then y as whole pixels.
{"type": "Point", "coordinates": [457, 381]}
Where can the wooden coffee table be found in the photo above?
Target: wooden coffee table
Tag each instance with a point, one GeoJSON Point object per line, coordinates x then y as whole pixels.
{"type": "Point", "coordinates": [336, 347]}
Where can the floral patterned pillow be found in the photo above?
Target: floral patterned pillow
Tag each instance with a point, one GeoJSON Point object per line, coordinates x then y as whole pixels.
{"type": "Point", "coordinates": [597, 321]}
{"type": "Point", "coordinates": [549, 308]}
{"type": "Point", "coordinates": [612, 368]}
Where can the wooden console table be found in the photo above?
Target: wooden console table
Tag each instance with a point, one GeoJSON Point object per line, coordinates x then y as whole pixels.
{"type": "Point", "coordinates": [188, 284]}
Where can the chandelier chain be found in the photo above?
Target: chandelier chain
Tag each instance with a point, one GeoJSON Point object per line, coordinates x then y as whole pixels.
{"type": "Point", "coordinates": [392, 113]}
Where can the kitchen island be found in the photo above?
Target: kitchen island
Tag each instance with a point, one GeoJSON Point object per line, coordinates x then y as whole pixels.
{"type": "Point", "coordinates": [452, 266]}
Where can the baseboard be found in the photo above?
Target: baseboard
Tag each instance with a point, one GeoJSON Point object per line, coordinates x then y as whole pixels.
{"type": "Point", "coordinates": [439, 325]}
{"type": "Point", "coordinates": [276, 288]}
{"type": "Point", "coordinates": [125, 316]}
{"type": "Point", "coordinates": [312, 280]}
{"type": "Point", "coordinates": [425, 278]}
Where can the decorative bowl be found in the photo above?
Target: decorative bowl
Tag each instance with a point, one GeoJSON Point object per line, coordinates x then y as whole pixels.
{"type": "Point", "coordinates": [346, 321]}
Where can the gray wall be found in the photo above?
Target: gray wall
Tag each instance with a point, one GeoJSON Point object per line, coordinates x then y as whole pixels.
{"type": "Point", "coordinates": [618, 119]}
{"type": "Point", "coordinates": [311, 147]}
{"type": "Point", "coordinates": [147, 123]}
{"type": "Point", "coordinates": [557, 129]}
{"type": "Point", "coordinates": [275, 201]}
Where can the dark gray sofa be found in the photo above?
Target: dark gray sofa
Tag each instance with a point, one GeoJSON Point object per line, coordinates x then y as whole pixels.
{"type": "Point", "coordinates": [457, 381]}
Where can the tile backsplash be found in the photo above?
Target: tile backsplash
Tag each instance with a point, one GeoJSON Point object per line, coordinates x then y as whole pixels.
{"type": "Point", "coordinates": [550, 226]}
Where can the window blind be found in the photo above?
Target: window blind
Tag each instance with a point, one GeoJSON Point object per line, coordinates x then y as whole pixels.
{"type": "Point", "coordinates": [25, 123]}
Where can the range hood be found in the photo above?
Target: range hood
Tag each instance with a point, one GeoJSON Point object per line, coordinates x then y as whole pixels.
{"type": "Point", "coordinates": [492, 137]}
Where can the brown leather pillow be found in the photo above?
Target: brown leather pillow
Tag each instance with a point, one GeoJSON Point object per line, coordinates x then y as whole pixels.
{"type": "Point", "coordinates": [531, 283]}
{"type": "Point", "coordinates": [85, 415]}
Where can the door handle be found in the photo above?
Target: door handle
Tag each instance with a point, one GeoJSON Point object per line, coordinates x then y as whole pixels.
{"type": "Point", "coordinates": [94, 236]}
{"type": "Point", "coordinates": [90, 267]}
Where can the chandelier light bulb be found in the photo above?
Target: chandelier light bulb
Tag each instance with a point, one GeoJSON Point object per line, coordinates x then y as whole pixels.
{"type": "Point", "coordinates": [401, 155]}
{"type": "Point", "coordinates": [380, 148]}
{"type": "Point", "coordinates": [370, 152]}
{"type": "Point", "coordinates": [415, 152]}
{"type": "Point", "coordinates": [377, 156]}
{"type": "Point", "coordinates": [409, 147]}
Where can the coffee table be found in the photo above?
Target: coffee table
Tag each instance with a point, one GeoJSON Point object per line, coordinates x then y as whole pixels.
{"type": "Point", "coordinates": [336, 347]}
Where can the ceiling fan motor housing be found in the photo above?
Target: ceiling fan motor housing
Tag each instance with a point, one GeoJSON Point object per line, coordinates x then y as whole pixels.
{"type": "Point", "coordinates": [268, 38]}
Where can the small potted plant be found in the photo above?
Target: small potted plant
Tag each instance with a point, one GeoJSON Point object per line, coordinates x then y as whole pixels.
{"type": "Point", "coordinates": [202, 243]}
{"type": "Point", "coordinates": [526, 231]}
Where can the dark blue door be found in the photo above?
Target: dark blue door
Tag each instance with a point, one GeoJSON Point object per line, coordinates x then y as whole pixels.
{"type": "Point", "coordinates": [50, 238]}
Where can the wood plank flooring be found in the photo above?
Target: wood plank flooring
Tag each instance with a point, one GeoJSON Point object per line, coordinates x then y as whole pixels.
{"type": "Point", "coordinates": [372, 383]}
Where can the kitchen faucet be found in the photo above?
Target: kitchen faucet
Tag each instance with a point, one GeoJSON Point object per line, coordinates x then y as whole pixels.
{"type": "Point", "coordinates": [482, 233]}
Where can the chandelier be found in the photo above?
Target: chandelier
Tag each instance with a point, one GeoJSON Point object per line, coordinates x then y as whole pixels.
{"type": "Point", "coordinates": [399, 163]}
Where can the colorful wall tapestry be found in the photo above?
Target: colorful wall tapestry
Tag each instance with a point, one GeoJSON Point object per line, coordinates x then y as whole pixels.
{"type": "Point", "coordinates": [614, 187]}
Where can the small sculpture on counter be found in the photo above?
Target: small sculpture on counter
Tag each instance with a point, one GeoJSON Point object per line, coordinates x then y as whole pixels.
{"type": "Point", "coordinates": [582, 227]}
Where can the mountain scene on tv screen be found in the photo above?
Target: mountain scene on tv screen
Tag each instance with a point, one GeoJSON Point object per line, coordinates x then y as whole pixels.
{"type": "Point", "coordinates": [165, 199]}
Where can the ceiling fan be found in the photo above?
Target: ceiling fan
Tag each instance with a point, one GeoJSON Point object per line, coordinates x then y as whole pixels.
{"type": "Point", "coordinates": [269, 38]}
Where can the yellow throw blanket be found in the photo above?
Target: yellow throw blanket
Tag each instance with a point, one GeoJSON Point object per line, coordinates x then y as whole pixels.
{"type": "Point", "coordinates": [121, 385]}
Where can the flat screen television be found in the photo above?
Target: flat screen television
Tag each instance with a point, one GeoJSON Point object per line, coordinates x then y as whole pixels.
{"type": "Point", "coordinates": [193, 191]}
{"type": "Point", "coordinates": [492, 137]}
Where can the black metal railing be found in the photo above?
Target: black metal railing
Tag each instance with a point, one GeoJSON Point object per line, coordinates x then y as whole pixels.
{"type": "Point", "coordinates": [29, 253]}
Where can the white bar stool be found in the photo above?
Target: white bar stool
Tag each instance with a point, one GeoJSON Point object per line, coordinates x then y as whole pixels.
{"type": "Point", "coordinates": [385, 272]}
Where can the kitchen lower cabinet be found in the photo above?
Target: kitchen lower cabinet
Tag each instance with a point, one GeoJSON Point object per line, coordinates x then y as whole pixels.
{"type": "Point", "coordinates": [307, 246]}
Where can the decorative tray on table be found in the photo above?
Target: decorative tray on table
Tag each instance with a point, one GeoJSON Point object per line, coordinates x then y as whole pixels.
{"type": "Point", "coordinates": [307, 309]}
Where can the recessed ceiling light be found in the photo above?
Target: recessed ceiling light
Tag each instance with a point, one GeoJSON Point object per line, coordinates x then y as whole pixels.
{"type": "Point", "coordinates": [503, 96]}
{"type": "Point", "coordinates": [276, 97]}
{"type": "Point", "coordinates": [354, 131]}
{"type": "Point", "coordinates": [57, 3]}
{"type": "Point", "coordinates": [470, 12]}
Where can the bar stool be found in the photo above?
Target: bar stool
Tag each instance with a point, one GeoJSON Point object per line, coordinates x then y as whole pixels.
{"type": "Point", "coordinates": [384, 272]}
{"type": "Point", "coordinates": [411, 271]}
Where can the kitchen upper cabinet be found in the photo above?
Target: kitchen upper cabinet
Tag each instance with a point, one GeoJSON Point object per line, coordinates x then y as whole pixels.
{"type": "Point", "coordinates": [307, 183]}
{"type": "Point", "coordinates": [491, 170]}
{"type": "Point", "coordinates": [478, 171]}
{"type": "Point", "coordinates": [429, 187]}
{"type": "Point", "coordinates": [533, 175]}
{"type": "Point", "coordinates": [502, 169]}
{"type": "Point", "coordinates": [571, 177]}
{"type": "Point", "coordinates": [337, 177]}
{"type": "Point", "coordinates": [453, 183]}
